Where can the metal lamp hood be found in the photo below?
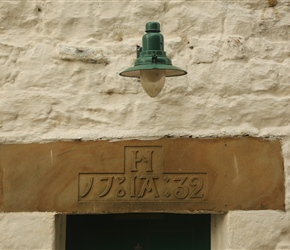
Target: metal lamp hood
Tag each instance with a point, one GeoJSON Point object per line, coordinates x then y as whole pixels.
{"type": "Point", "coordinates": [152, 65]}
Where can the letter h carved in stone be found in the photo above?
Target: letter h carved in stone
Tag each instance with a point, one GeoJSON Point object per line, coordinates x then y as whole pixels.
{"type": "Point", "coordinates": [137, 157]}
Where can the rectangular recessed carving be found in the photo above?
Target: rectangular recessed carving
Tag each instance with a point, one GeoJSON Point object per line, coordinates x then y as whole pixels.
{"type": "Point", "coordinates": [143, 187]}
{"type": "Point", "coordinates": [168, 175]}
{"type": "Point", "coordinates": [143, 180]}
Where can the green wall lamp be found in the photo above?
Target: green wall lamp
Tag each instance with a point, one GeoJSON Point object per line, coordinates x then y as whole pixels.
{"type": "Point", "coordinates": [152, 65]}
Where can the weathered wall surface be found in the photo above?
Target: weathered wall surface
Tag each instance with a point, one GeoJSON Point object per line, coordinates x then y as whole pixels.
{"type": "Point", "coordinates": [27, 231]}
{"type": "Point", "coordinates": [59, 64]}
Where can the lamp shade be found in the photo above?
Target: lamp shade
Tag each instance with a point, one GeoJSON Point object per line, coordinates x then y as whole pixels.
{"type": "Point", "coordinates": [151, 58]}
{"type": "Point", "coordinates": [170, 70]}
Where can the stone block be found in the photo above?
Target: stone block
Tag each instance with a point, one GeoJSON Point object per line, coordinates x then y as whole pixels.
{"type": "Point", "coordinates": [205, 55]}
{"type": "Point", "coordinates": [165, 175]}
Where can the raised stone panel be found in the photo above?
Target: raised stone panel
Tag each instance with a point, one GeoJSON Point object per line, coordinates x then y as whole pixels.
{"type": "Point", "coordinates": [169, 175]}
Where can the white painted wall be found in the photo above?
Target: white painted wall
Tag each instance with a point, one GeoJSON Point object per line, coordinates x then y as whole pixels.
{"type": "Point", "coordinates": [237, 54]}
{"type": "Point", "coordinates": [27, 231]}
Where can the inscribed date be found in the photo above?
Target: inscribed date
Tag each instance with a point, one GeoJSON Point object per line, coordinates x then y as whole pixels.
{"type": "Point", "coordinates": [166, 187]}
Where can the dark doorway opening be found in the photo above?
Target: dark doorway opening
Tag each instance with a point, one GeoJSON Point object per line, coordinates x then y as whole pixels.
{"type": "Point", "coordinates": [138, 232]}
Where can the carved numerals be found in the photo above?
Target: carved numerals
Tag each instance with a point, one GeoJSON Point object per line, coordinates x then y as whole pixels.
{"type": "Point", "coordinates": [143, 179]}
{"type": "Point", "coordinates": [192, 186]}
{"type": "Point", "coordinates": [109, 182]}
{"type": "Point", "coordinates": [168, 187]}
{"type": "Point", "coordinates": [197, 187]}
{"type": "Point", "coordinates": [106, 187]}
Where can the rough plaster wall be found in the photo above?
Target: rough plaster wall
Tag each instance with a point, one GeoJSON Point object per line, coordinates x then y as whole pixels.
{"type": "Point", "coordinates": [59, 64]}
{"type": "Point", "coordinates": [27, 231]}
{"type": "Point", "coordinates": [219, 231]}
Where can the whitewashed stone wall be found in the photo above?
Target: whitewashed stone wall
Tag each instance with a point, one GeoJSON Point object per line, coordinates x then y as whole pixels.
{"type": "Point", "coordinates": [59, 65]}
{"type": "Point", "coordinates": [27, 231]}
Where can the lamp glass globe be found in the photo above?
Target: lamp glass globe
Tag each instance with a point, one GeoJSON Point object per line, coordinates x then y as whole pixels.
{"type": "Point", "coordinates": [152, 81]}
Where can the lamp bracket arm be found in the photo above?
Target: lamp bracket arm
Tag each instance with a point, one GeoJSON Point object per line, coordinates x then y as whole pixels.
{"type": "Point", "coordinates": [138, 50]}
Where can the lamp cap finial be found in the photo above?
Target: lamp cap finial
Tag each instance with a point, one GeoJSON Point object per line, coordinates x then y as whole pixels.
{"type": "Point", "coordinates": [152, 27]}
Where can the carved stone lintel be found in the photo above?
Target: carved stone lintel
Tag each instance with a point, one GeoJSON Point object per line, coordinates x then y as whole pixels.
{"type": "Point", "coordinates": [168, 175]}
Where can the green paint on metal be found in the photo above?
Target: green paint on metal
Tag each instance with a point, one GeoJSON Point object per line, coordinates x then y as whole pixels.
{"type": "Point", "coordinates": [151, 55]}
